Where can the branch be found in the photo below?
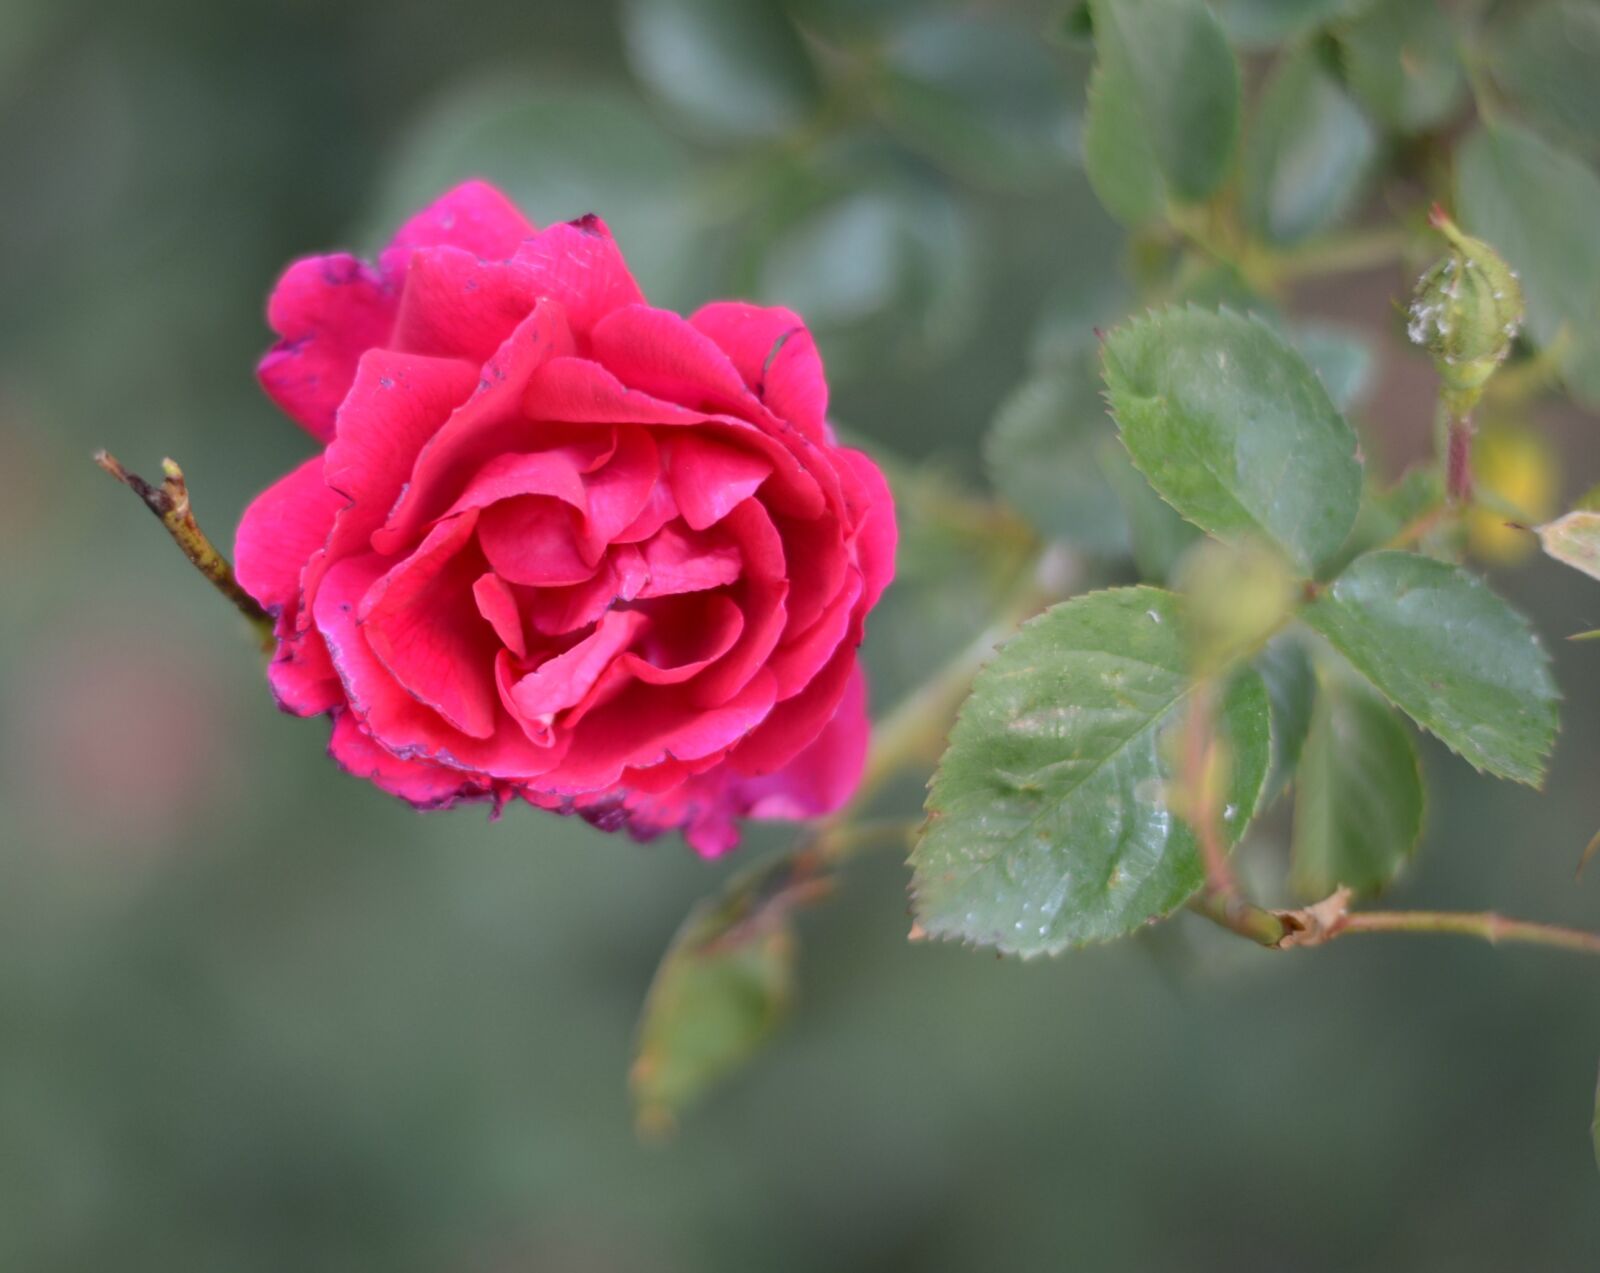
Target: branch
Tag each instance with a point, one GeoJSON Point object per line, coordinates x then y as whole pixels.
{"type": "Point", "coordinates": [170, 503]}
{"type": "Point", "coordinates": [1486, 925]}
{"type": "Point", "coordinates": [1331, 919]}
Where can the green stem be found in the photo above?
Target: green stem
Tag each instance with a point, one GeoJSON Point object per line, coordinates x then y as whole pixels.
{"type": "Point", "coordinates": [1345, 253]}
{"type": "Point", "coordinates": [1485, 925]}
{"type": "Point", "coordinates": [1260, 925]}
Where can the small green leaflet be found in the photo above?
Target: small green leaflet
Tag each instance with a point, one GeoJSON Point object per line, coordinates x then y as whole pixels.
{"type": "Point", "coordinates": [1163, 105]}
{"type": "Point", "coordinates": [1544, 58]}
{"type": "Point", "coordinates": [1046, 451]}
{"type": "Point", "coordinates": [722, 987]}
{"type": "Point", "coordinates": [1292, 688]}
{"type": "Point", "coordinates": [1400, 61]}
{"type": "Point", "coordinates": [1358, 794]}
{"type": "Point", "coordinates": [1309, 153]}
{"type": "Point", "coordinates": [1235, 430]}
{"type": "Point", "coordinates": [1048, 825]}
{"type": "Point", "coordinates": [1574, 540]}
{"type": "Point", "coordinates": [1536, 205]}
{"type": "Point", "coordinates": [1453, 656]}
{"type": "Point", "coordinates": [727, 66]}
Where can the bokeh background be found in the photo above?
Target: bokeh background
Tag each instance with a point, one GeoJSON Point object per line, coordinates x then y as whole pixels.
{"type": "Point", "coordinates": [255, 1015]}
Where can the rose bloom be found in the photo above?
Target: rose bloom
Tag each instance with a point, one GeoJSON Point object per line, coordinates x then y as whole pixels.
{"type": "Point", "coordinates": [560, 544]}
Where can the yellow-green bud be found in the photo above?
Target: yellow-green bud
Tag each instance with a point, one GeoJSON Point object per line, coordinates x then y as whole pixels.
{"type": "Point", "coordinates": [1466, 311]}
{"type": "Point", "coordinates": [1239, 594]}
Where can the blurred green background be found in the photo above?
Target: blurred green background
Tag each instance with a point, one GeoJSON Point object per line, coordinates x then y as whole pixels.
{"type": "Point", "coordinates": [255, 1015]}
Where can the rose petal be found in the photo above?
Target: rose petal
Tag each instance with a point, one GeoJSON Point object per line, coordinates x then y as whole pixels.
{"type": "Point", "coordinates": [329, 310]}
{"type": "Point", "coordinates": [488, 423]}
{"type": "Point", "coordinates": [578, 391]}
{"type": "Point", "coordinates": [562, 681]}
{"type": "Point", "coordinates": [422, 783]}
{"type": "Point", "coordinates": [533, 540]}
{"type": "Point", "coordinates": [650, 723]}
{"type": "Point", "coordinates": [617, 494]}
{"type": "Point", "coordinates": [454, 305]}
{"type": "Point", "coordinates": [302, 676]}
{"type": "Point", "coordinates": [801, 657]}
{"type": "Point", "coordinates": [420, 623]}
{"type": "Point", "coordinates": [876, 534]}
{"type": "Point", "coordinates": [553, 473]}
{"type": "Point", "coordinates": [474, 216]}
{"type": "Point", "coordinates": [683, 640]}
{"type": "Point", "coordinates": [680, 560]}
{"type": "Point", "coordinates": [403, 725]}
{"type": "Point", "coordinates": [709, 477]}
{"type": "Point", "coordinates": [579, 265]}
{"type": "Point", "coordinates": [498, 604]}
{"type": "Point", "coordinates": [557, 611]}
{"type": "Point", "coordinates": [796, 721]}
{"type": "Point", "coordinates": [658, 352]}
{"type": "Point", "coordinates": [280, 530]}
{"type": "Point", "coordinates": [776, 357]}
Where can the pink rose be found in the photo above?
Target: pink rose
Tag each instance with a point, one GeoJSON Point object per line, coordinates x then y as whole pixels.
{"type": "Point", "coordinates": [561, 544]}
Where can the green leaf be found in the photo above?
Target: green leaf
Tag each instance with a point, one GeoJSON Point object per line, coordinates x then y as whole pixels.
{"type": "Point", "coordinates": [1453, 656]}
{"type": "Point", "coordinates": [1047, 826]}
{"type": "Point", "coordinates": [1536, 205]}
{"type": "Point", "coordinates": [980, 95]}
{"type": "Point", "coordinates": [1595, 1126]}
{"type": "Point", "coordinates": [1341, 356]}
{"type": "Point", "coordinates": [1292, 691]}
{"type": "Point", "coordinates": [1358, 794]}
{"type": "Point", "coordinates": [1387, 512]}
{"type": "Point", "coordinates": [1401, 62]}
{"type": "Point", "coordinates": [1118, 156]}
{"type": "Point", "coordinates": [1044, 455]}
{"type": "Point", "coordinates": [899, 254]}
{"type": "Point", "coordinates": [729, 67]}
{"type": "Point", "coordinates": [1574, 540]}
{"type": "Point", "coordinates": [722, 987]}
{"type": "Point", "coordinates": [1159, 537]}
{"type": "Point", "coordinates": [1545, 58]}
{"type": "Point", "coordinates": [1171, 68]}
{"type": "Point", "coordinates": [1309, 154]}
{"type": "Point", "coordinates": [1258, 23]}
{"type": "Point", "coordinates": [1235, 430]}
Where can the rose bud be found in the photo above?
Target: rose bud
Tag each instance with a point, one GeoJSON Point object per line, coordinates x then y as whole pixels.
{"type": "Point", "coordinates": [1466, 311]}
{"type": "Point", "coordinates": [560, 544]}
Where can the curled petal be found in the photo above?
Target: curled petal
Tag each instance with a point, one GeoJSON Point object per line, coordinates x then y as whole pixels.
{"type": "Point", "coordinates": [419, 622]}
{"type": "Point", "coordinates": [474, 216]}
{"type": "Point", "coordinates": [488, 423]}
{"type": "Point", "coordinates": [454, 305]}
{"type": "Point", "coordinates": [329, 310]}
{"type": "Point", "coordinates": [709, 477]}
{"type": "Point", "coordinates": [776, 357]}
{"type": "Point", "coordinates": [422, 783]}
{"type": "Point", "coordinates": [579, 265]}
{"type": "Point", "coordinates": [280, 530]}
{"type": "Point", "coordinates": [497, 603]}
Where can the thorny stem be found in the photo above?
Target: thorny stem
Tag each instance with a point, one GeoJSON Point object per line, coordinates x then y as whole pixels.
{"type": "Point", "coordinates": [1220, 900]}
{"type": "Point", "coordinates": [1487, 925]}
{"type": "Point", "coordinates": [1458, 462]}
{"type": "Point", "coordinates": [1331, 919]}
{"type": "Point", "coordinates": [1200, 761]}
{"type": "Point", "coordinates": [1361, 250]}
{"type": "Point", "coordinates": [1418, 527]}
{"type": "Point", "coordinates": [170, 503]}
